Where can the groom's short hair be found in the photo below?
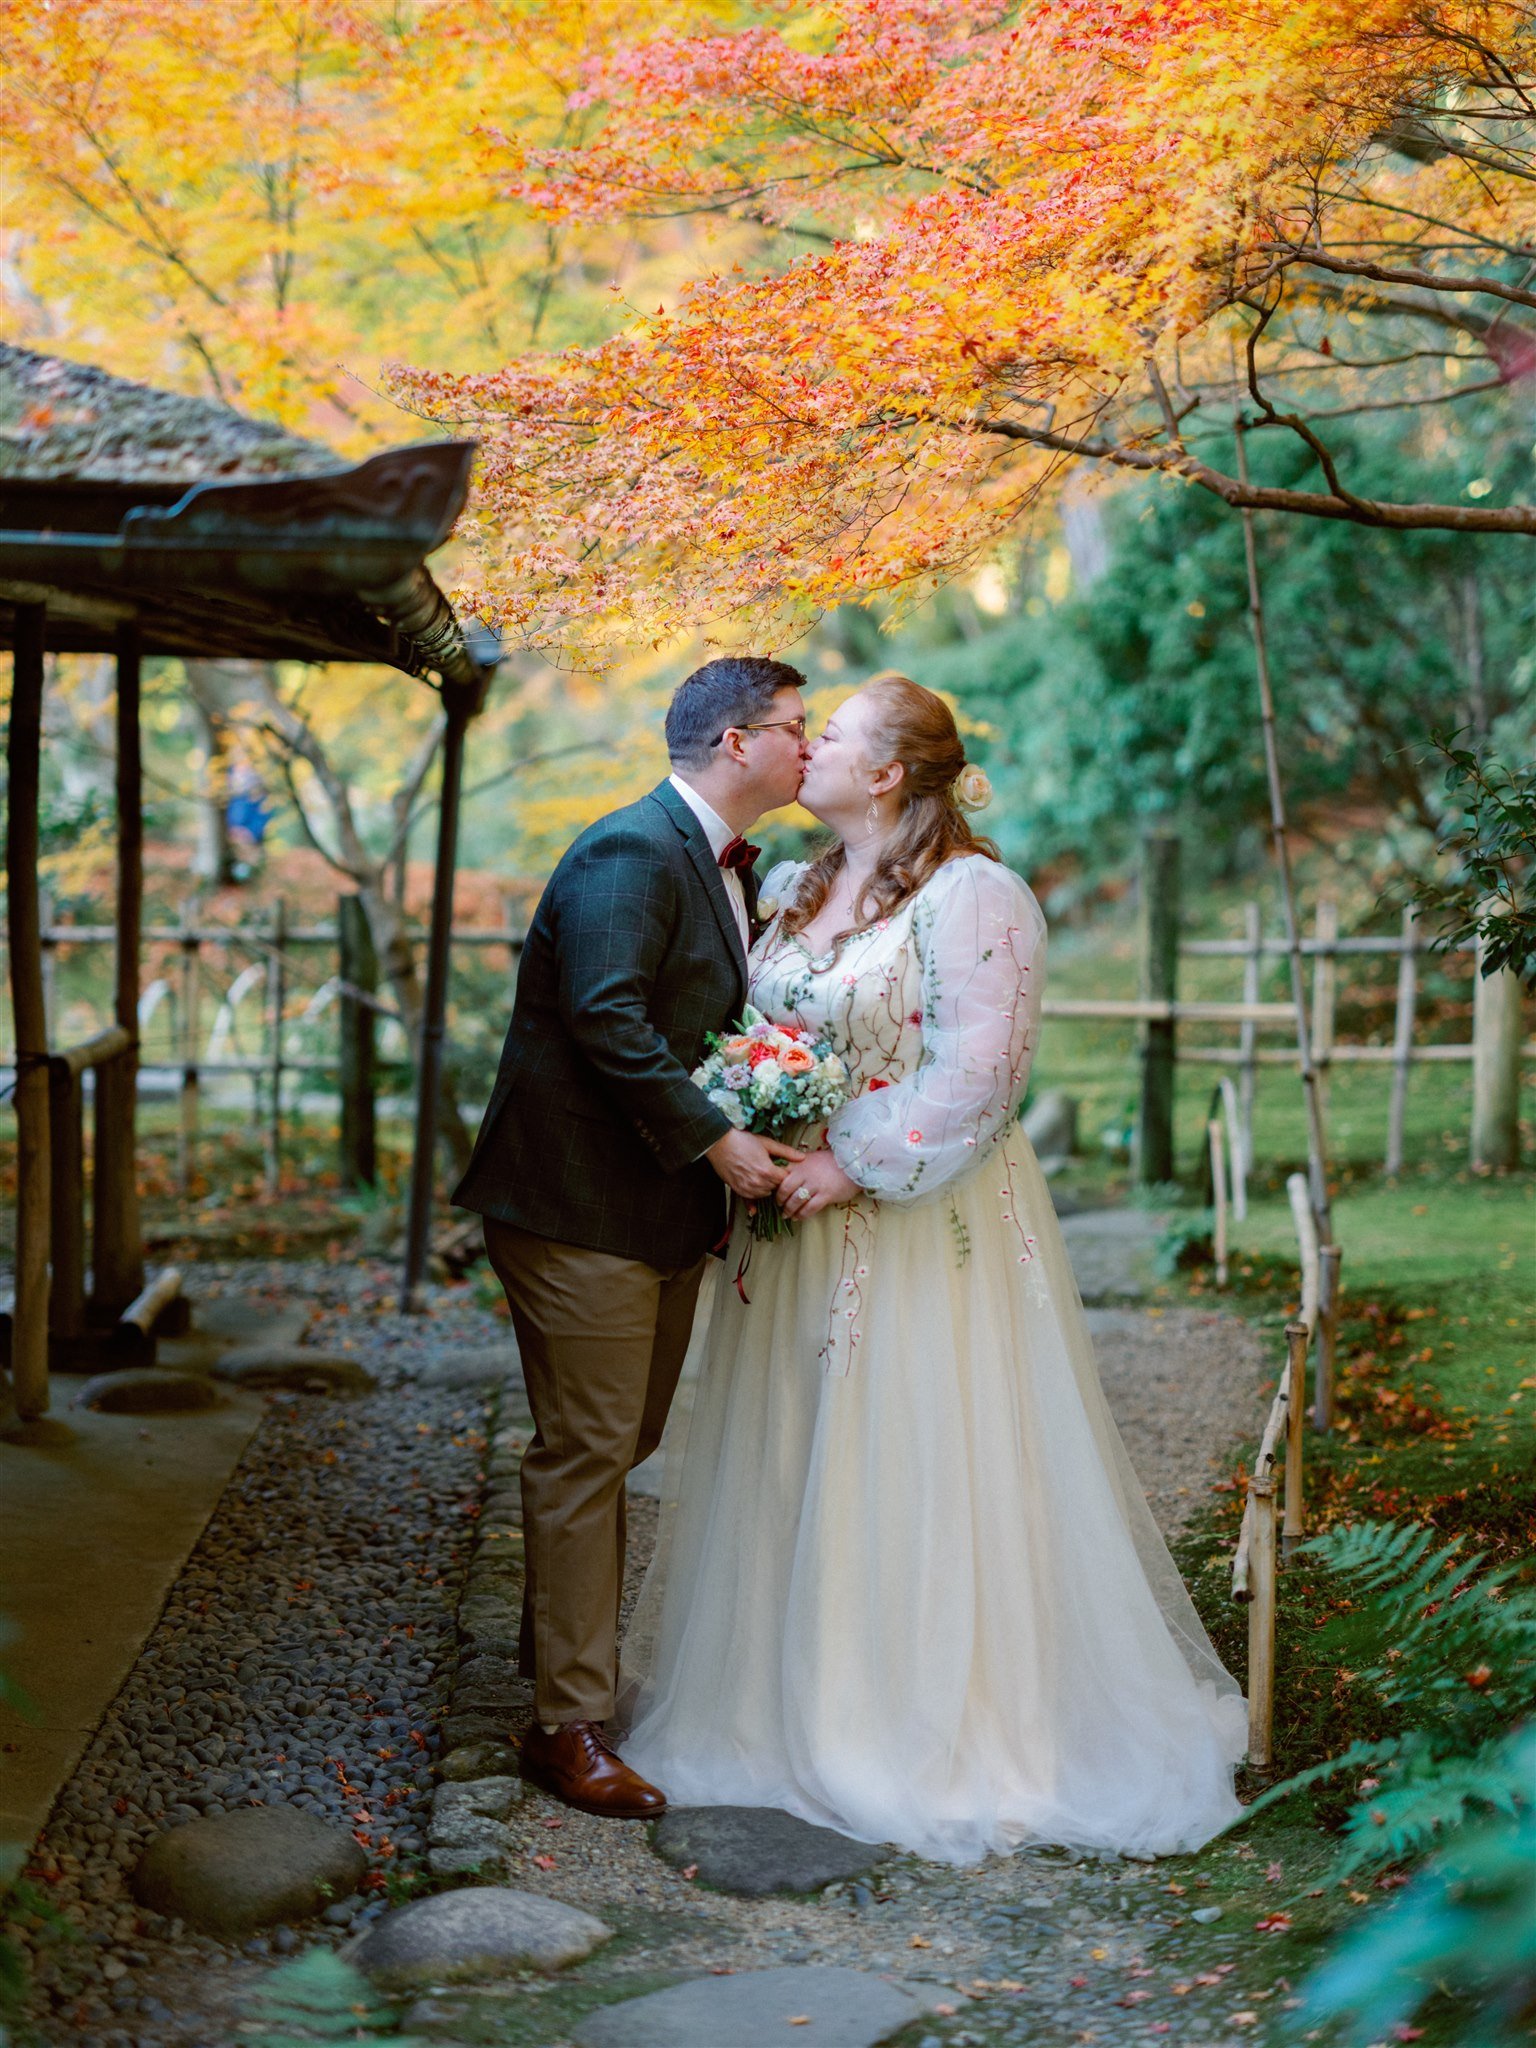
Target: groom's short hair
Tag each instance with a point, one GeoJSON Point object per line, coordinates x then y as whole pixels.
{"type": "Point", "coordinates": [737, 689]}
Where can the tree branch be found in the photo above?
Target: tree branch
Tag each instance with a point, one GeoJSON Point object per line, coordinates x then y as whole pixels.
{"type": "Point", "coordinates": [1263, 497]}
{"type": "Point", "coordinates": [1423, 280]}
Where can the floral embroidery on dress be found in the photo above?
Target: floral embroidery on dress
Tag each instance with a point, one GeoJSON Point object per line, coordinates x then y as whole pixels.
{"type": "Point", "coordinates": [933, 1011]}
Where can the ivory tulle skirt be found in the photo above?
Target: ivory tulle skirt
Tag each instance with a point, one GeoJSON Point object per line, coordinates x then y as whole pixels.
{"type": "Point", "coordinates": [907, 1585]}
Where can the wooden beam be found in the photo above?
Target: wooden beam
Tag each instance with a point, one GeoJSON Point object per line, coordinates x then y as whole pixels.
{"type": "Point", "coordinates": [29, 1329]}
{"type": "Point", "coordinates": [117, 1245]}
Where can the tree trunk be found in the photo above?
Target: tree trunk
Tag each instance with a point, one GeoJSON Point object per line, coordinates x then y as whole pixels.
{"type": "Point", "coordinates": [210, 685]}
{"type": "Point", "coordinates": [397, 963]}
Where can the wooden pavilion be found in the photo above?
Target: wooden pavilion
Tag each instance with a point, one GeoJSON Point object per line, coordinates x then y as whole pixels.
{"type": "Point", "coordinates": [138, 522]}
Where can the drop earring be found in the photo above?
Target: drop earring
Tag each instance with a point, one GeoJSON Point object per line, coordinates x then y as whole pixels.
{"type": "Point", "coordinates": [872, 819]}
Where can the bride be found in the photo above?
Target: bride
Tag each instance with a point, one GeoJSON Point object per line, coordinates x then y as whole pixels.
{"type": "Point", "coordinates": [909, 1587]}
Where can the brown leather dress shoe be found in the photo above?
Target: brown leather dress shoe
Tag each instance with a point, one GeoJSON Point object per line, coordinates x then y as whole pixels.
{"type": "Point", "coordinates": [576, 1764]}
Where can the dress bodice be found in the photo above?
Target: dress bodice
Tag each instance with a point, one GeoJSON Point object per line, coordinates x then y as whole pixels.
{"type": "Point", "coordinates": [933, 1010]}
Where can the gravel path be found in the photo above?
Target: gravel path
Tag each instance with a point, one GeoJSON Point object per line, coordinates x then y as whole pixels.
{"type": "Point", "coordinates": [298, 1658]}
{"type": "Point", "coordinates": [303, 1652]}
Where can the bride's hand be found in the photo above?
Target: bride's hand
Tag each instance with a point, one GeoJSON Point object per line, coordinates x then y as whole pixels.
{"type": "Point", "coordinates": [817, 1183]}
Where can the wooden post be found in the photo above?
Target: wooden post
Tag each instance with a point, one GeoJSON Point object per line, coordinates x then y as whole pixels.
{"type": "Point", "coordinates": [1402, 1039]}
{"type": "Point", "coordinates": [459, 707]}
{"type": "Point", "coordinates": [186, 1147]}
{"type": "Point", "coordinates": [1495, 1069]}
{"type": "Point", "coordinates": [29, 1327]}
{"type": "Point", "coordinates": [277, 996]}
{"type": "Point", "coordinates": [117, 1236]}
{"type": "Point", "coordinates": [1325, 982]}
{"type": "Point", "coordinates": [1219, 1196]}
{"type": "Point", "coordinates": [1329, 1259]}
{"type": "Point", "coordinates": [1297, 1338]}
{"type": "Point", "coordinates": [66, 1130]}
{"type": "Point", "coordinates": [1159, 981]}
{"type": "Point", "coordinates": [1261, 1622]}
{"type": "Point", "coordinates": [1248, 1033]}
{"type": "Point", "coordinates": [358, 968]}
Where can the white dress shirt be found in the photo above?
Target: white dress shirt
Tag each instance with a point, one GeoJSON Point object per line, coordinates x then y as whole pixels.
{"type": "Point", "coordinates": [720, 836]}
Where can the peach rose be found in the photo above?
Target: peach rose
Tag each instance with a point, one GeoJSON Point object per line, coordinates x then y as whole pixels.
{"type": "Point", "coordinates": [736, 1049]}
{"type": "Point", "coordinates": [794, 1059]}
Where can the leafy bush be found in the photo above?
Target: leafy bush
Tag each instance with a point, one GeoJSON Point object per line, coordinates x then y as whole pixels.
{"type": "Point", "coordinates": [1450, 1649]}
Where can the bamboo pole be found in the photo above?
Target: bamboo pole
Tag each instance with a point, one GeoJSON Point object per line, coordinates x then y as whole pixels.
{"type": "Point", "coordinates": [1219, 1195]}
{"type": "Point", "coordinates": [1247, 1043]}
{"type": "Point", "coordinates": [1402, 1040]}
{"type": "Point", "coordinates": [1325, 988]}
{"type": "Point", "coordinates": [1261, 1622]}
{"type": "Point", "coordinates": [134, 1337]}
{"type": "Point", "coordinates": [1306, 1238]}
{"type": "Point", "coordinates": [1297, 1338]}
{"type": "Point", "coordinates": [1329, 1260]}
{"type": "Point", "coordinates": [29, 1328]}
{"type": "Point", "coordinates": [1317, 1146]}
{"type": "Point", "coordinates": [117, 1235]}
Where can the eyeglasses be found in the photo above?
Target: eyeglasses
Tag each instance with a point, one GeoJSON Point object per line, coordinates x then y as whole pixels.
{"type": "Point", "coordinates": [794, 725]}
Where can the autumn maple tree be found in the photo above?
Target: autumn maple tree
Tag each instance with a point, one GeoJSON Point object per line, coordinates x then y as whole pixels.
{"type": "Point", "coordinates": [260, 203]}
{"type": "Point", "coordinates": [997, 241]}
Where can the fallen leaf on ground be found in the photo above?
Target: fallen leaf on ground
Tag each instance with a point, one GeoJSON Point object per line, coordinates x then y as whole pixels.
{"type": "Point", "coordinates": [1272, 1923]}
{"type": "Point", "coordinates": [545, 1863]}
{"type": "Point", "coordinates": [919, 1941]}
{"type": "Point", "coordinates": [1242, 2019]}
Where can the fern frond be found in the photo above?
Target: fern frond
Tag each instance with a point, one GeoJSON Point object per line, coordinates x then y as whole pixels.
{"type": "Point", "coordinates": [1413, 1813]}
{"type": "Point", "coordinates": [1359, 1756]}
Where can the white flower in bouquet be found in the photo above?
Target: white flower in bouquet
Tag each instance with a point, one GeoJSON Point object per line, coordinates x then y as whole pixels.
{"type": "Point", "coordinates": [730, 1105]}
{"type": "Point", "coordinates": [766, 1077]}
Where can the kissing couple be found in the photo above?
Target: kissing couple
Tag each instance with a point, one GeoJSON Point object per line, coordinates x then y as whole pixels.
{"type": "Point", "coordinates": [909, 1587]}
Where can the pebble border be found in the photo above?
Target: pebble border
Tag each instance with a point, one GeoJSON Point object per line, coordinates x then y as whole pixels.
{"type": "Point", "coordinates": [478, 1785]}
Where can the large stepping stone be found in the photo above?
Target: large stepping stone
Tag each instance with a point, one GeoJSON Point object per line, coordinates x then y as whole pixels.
{"type": "Point", "coordinates": [471, 1365]}
{"type": "Point", "coordinates": [248, 1319]}
{"type": "Point", "coordinates": [754, 1850]}
{"type": "Point", "coordinates": [758, 2009]}
{"type": "Point", "coordinates": [294, 1371]}
{"type": "Point", "coordinates": [481, 1931]}
{"type": "Point", "coordinates": [235, 1872]}
{"type": "Point", "coordinates": [146, 1390]}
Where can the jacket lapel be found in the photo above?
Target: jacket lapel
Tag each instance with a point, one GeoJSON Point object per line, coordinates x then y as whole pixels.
{"type": "Point", "coordinates": [696, 841]}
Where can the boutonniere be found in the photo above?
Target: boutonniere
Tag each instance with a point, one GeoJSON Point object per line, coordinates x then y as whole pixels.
{"type": "Point", "coordinates": [767, 906]}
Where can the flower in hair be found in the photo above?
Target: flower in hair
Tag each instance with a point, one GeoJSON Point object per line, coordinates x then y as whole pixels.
{"type": "Point", "coordinates": [972, 788]}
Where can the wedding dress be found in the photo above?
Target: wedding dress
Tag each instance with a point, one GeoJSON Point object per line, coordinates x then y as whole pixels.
{"type": "Point", "coordinates": [907, 1585]}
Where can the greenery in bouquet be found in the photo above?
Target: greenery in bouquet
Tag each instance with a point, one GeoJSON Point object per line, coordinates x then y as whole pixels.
{"type": "Point", "coordinates": [774, 1080]}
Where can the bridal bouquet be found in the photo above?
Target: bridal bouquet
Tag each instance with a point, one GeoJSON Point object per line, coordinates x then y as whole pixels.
{"type": "Point", "coordinates": [769, 1078]}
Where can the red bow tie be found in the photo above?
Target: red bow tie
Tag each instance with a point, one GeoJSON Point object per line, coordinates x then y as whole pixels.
{"type": "Point", "coordinates": [738, 855]}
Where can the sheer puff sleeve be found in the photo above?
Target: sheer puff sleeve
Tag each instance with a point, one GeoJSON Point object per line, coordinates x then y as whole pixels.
{"type": "Point", "coordinates": [980, 937]}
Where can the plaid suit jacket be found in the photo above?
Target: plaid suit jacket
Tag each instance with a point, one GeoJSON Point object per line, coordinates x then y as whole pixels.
{"type": "Point", "coordinates": [593, 1133]}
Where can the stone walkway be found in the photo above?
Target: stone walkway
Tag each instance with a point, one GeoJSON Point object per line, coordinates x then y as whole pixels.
{"type": "Point", "coordinates": [307, 1658]}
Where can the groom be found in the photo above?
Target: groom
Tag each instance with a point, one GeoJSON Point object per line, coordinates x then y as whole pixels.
{"type": "Point", "coordinates": [602, 1171]}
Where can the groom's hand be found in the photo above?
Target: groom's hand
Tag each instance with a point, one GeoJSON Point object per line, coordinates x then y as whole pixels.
{"type": "Point", "coordinates": [752, 1166]}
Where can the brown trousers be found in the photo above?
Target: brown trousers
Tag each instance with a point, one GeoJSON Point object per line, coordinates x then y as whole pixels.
{"type": "Point", "coordinates": [602, 1342]}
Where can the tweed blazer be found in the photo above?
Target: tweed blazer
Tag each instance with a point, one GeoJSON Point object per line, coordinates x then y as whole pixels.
{"type": "Point", "coordinates": [594, 1133]}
